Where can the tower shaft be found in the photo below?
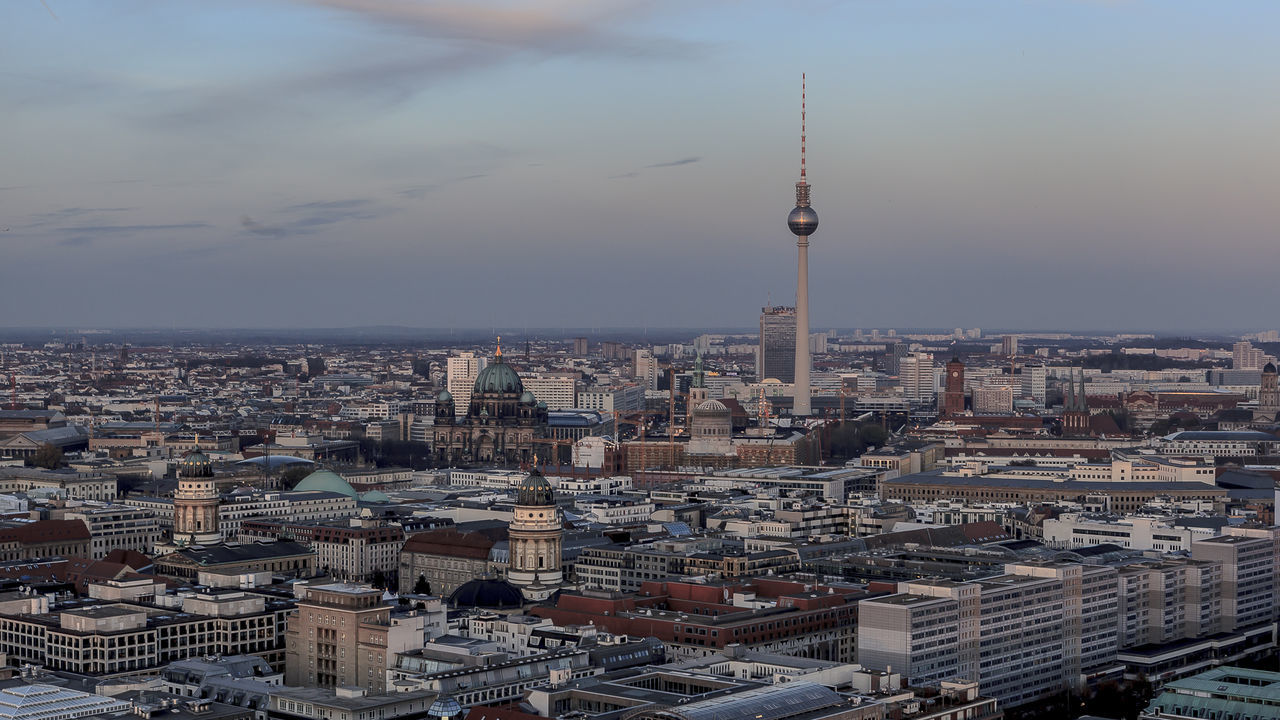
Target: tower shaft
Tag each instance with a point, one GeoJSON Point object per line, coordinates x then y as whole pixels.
{"type": "Point", "coordinates": [802, 405]}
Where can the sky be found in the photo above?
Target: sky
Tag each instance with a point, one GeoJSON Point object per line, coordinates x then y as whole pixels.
{"type": "Point", "coordinates": [1031, 164]}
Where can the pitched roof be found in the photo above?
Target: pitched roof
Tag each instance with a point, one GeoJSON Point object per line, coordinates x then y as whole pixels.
{"type": "Point", "coordinates": [43, 531]}
{"type": "Point", "coordinates": [450, 543]}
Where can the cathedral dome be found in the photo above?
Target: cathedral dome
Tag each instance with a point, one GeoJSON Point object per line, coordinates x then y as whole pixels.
{"type": "Point", "coordinates": [1269, 368]}
{"type": "Point", "coordinates": [498, 377]}
{"type": "Point", "coordinates": [444, 396]}
{"type": "Point", "coordinates": [535, 491]}
{"type": "Point", "coordinates": [526, 398]}
{"type": "Point", "coordinates": [488, 593]}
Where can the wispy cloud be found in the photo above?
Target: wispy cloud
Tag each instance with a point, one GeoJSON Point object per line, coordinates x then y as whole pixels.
{"type": "Point", "coordinates": [310, 217]}
{"type": "Point", "coordinates": [254, 227]}
{"type": "Point", "coordinates": [672, 163]}
{"type": "Point", "coordinates": [447, 39]}
{"type": "Point", "coordinates": [675, 163]}
{"type": "Point", "coordinates": [131, 229]}
{"type": "Point", "coordinates": [71, 212]}
{"type": "Point", "coordinates": [417, 192]}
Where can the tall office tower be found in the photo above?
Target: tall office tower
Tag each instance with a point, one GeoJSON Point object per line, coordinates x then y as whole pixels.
{"type": "Point", "coordinates": [1033, 382]}
{"type": "Point", "coordinates": [1009, 345]}
{"type": "Point", "coordinates": [893, 354]}
{"type": "Point", "coordinates": [462, 370]}
{"type": "Point", "coordinates": [802, 221]}
{"type": "Point", "coordinates": [776, 354]}
{"type": "Point", "coordinates": [580, 347]}
{"type": "Point", "coordinates": [916, 376]}
{"type": "Point", "coordinates": [1244, 356]}
{"type": "Point", "coordinates": [645, 369]}
{"type": "Point", "coordinates": [953, 396]}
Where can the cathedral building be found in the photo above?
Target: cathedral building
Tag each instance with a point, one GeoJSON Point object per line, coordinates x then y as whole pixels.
{"type": "Point", "coordinates": [195, 504]}
{"type": "Point", "coordinates": [500, 425]}
{"type": "Point", "coordinates": [535, 538]}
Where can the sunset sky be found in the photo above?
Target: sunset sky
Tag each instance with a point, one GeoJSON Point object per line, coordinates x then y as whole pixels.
{"type": "Point", "coordinates": [1036, 164]}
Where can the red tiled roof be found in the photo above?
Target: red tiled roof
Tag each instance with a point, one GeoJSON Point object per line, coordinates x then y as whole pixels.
{"type": "Point", "coordinates": [43, 531]}
{"type": "Point", "coordinates": [450, 543]}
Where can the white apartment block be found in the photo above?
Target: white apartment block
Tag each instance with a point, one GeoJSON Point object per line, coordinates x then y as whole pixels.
{"type": "Point", "coordinates": [559, 393]}
{"type": "Point", "coordinates": [917, 377]}
{"type": "Point", "coordinates": [1133, 532]}
{"type": "Point", "coordinates": [461, 374]}
{"type": "Point", "coordinates": [625, 398]}
{"type": "Point", "coordinates": [645, 369]}
{"type": "Point", "coordinates": [118, 526]}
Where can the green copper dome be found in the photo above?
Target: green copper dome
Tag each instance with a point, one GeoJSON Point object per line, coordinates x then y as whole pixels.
{"type": "Point", "coordinates": [326, 481]}
{"type": "Point", "coordinates": [498, 377]}
{"type": "Point", "coordinates": [535, 491]}
{"type": "Point", "coordinates": [195, 464]}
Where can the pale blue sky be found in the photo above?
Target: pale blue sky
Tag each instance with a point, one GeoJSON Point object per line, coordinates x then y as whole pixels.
{"type": "Point", "coordinates": [1077, 164]}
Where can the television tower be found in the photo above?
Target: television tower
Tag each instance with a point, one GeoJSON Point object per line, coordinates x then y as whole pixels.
{"type": "Point", "coordinates": [802, 221]}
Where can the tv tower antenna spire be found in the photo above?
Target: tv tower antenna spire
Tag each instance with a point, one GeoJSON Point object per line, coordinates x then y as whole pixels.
{"type": "Point", "coordinates": [802, 123]}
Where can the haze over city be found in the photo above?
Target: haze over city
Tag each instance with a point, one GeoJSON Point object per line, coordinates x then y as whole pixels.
{"type": "Point", "coordinates": [1105, 165]}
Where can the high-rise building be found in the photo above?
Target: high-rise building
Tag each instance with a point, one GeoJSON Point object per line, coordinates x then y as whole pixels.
{"type": "Point", "coordinates": [580, 347]}
{"type": "Point", "coordinates": [1033, 382]}
{"type": "Point", "coordinates": [917, 379]}
{"type": "Point", "coordinates": [776, 353]}
{"type": "Point", "coordinates": [893, 354]}
{"type": "Point", "coordinates": [953, 396]}
{"type": "Point", "coordinates": [1244, 356]}
{"type": "Point", "coordinates": [802, 221]}
{"type": "Point", "coordinates": [645, 369]}
{"type": "Point", "coordinates": [462, 370]}
{"type": "Point", "coordinates": [1009, 345]}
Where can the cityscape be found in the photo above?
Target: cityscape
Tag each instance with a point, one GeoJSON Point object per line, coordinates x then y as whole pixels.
{"type": "Point", "coordinates": [415, 434]}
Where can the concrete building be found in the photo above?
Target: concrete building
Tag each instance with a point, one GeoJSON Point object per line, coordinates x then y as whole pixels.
{"type": "Point", "coordinates": [1224, 693]}
{"type": "Point", "coordinates": [1248, 575]}
{"type": "Point", "coordinates": [462, 370]}
{"type": "Point", "coordinates": [344, 636]}
{"type": "Point", "coordinates": [1137, 532]}
{"type": "Point", "coordinates": [558, 392]}
{"type": "Point", "coordinates": [644, 369]}
{"type": "Point", "coordinates": [776, 349]}
{"type": "Point", "coordinates": [917, 377]}
{"type": "Point", "coordinates": [114, 527]}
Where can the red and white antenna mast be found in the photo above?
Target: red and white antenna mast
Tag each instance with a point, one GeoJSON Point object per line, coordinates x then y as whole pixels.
{"type": "Point", "coordinates": [802, 113]}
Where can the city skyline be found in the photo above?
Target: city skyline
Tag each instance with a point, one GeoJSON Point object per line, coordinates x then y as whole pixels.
{"type": "Point", "coordinates": [1063, 165]}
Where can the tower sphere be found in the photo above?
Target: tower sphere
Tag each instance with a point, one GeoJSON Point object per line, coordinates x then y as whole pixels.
{"type": "Point", "coordinates": [802, 221]}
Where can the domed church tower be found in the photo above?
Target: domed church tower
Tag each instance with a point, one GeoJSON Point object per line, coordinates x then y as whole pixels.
{"type": "Point", "coordinates": [535, 537]}
{"type": "Point", "coordinates": [195, 504]}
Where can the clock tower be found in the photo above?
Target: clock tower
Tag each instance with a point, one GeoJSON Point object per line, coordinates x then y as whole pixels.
{"type": "Point", "coordinates": [953, 395]}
